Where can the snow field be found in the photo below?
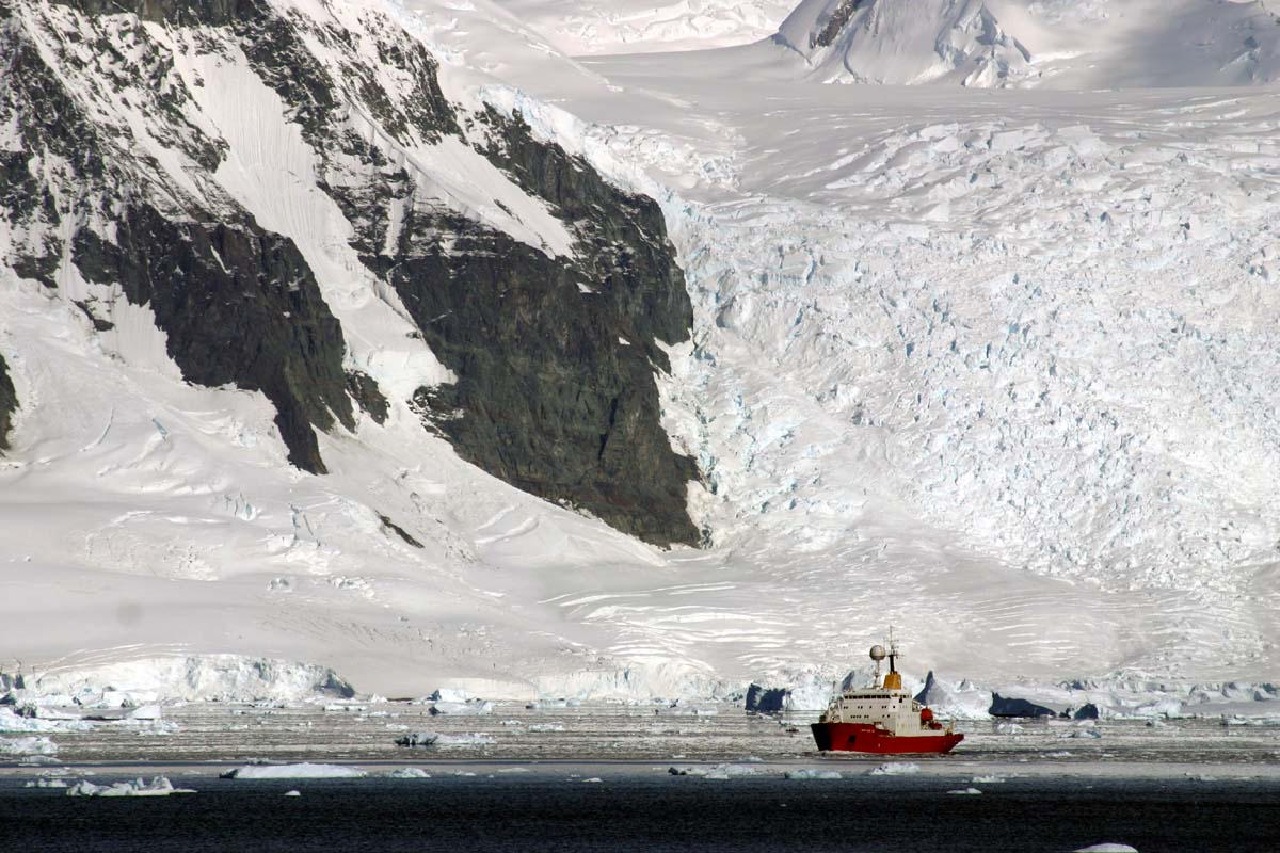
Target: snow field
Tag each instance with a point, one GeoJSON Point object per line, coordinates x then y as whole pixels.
{"type": "Point", "coordinates": [626, 26]}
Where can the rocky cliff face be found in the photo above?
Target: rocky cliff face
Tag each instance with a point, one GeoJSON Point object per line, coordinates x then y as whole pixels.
{"type": "Point", "coordinates": [555, 360]}
{"type": "Point", "coordinates": [113, 180]}
{"type": "Point", "coordinates": [8, 404]}
{"type": "Point", "coordinates": [840, 16]}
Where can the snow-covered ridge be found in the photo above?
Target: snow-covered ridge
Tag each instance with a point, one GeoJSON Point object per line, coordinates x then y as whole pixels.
{"type": "Point", "coordinates": [1032, 43]}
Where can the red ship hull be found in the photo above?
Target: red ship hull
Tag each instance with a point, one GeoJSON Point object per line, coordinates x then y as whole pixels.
{"type": "Point", "coordinates": [860, 737]}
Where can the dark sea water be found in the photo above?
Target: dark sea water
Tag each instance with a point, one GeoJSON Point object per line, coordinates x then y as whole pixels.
{"type": "Point", "coordinates": [549, 810]}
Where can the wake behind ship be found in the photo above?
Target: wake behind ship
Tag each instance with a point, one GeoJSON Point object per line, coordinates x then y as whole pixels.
{"type": "Point", "coordinates": [882, 719]}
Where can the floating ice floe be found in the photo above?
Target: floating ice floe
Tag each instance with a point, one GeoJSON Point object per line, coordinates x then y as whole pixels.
{"type": "Point", "coordinates": [469, 739]}
{"type": "Point", "coordinates": [895, 768]}
{"type": "Point", "coordinates": [40, 722]}
{"type": "Point", "coordinates": [593, 779]}
{"type": "Point", "coordinates": [408, 773]}
{"type": "Point", "coordinates": [159, 786]}
{"type": "Point", "coordinates": [988, 780]}
{"type": "Point", "coordinates": [47, 782]}
{"type": "Point", "coordinates": [719, 771]}
{"type": "Point", "coordinates": [25, 746]}
{"type": "Point", "coordinates": [964, 791]}
{"type": "Point", "coordinates": [305, 770]}
{"type": "Point", "coordinates": [1107, 847]}
{"type": "Point", "coordinates": [462, 708]}
{"type": "Point", "coordinates": [812, 774]}
{"type": "Point", "coordinates": [418, 739]}
{"type": "Point", "coordinates": [1083, 733]}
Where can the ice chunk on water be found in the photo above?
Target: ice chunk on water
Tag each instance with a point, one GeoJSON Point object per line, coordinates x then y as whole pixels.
{"type": "Point", "coordinates": [159, 786]}
{"type": "Point", "coordinates": [719, 771]}
{"type": "Point", "coordinates": [27, 747]}
{"type": "Point", "coordinates": [896, 768]}
{"type": "Point", "coordinates": [305, 770]}
{"type": "Point", "coordinates": [49, 782]}
{"type": "Point", "coordinates": [812, 774]}
{"type": "Point", "coordinates": [1107, 847]}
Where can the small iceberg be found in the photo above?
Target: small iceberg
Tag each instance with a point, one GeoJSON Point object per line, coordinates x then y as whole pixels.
{"type": "Point", "coordinates": [719, 771]}
{"type": "Point", "coordinates": [305, 770]}
{"type": "Point", "coordinates": [895, 768]}
{"type": "Point", "coordinates": [812, 774]}
{"type": "Point", "coordinates": [159, 786]}
{"type": "Point", "coordinates": [25, 746]}
{"type": "Point", "coordinates": [418, 739]}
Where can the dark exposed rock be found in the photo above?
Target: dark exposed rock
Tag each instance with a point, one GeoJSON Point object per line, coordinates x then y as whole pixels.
{"type": "Point", "coordinates": [547, 398]}
{"type": "Point", "coordinates": [1016, 706]}
{"type": "Point", "coordinates": [399, 531]}
{"type": "Point", "coordinates": [215, 13]}
{"type": "Point", "coordinates": [8, 404]}
{"type": "Point", "coordinates": [827, 35]}
{"type": "Point", "coordinates": [99, 324]}
{"type": "Point", "coordinates": [39, 268]}
{"type": "Point", "coordinates": [766, 700]}
{"type": "Point", "coordinates": [555, 357]}
{"type": "Point", "coordinates": [1087, 711]}
{"type": "Point", "coordinates": [368, 396]}
{"type": "Point", "coordinates": [238, 305]}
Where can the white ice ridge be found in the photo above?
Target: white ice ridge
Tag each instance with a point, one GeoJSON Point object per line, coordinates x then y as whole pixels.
{"type": "Point", "coordinates": [303, 770]}
{"type": "Point", "coordinates": [141, 683]}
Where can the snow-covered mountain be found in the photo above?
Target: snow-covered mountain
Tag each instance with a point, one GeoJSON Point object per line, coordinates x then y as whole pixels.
{"type": "Point", "coordinates": [390, 339]}
{"type": "Point", "coordinates": [1062, 44]}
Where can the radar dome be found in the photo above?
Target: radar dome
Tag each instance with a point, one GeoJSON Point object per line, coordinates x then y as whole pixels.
{"type": "Point", "coordinates": [877, 652]}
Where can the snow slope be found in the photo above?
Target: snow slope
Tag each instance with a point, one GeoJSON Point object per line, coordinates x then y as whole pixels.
{"type": "Point", "coordinates": [623, 26]}
{"type": "Point", "coordinates": [996, 367]}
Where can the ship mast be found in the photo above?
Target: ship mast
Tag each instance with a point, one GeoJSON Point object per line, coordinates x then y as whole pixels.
{"type": "Point", "coordinates": [892, 681]}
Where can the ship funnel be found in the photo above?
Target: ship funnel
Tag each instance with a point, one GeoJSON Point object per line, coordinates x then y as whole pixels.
{"type": "Point", "coordinates": [877, 653]}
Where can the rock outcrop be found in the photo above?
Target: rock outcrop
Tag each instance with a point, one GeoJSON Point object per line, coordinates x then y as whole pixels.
{"type": "Point", "coordinates": [8, 404]}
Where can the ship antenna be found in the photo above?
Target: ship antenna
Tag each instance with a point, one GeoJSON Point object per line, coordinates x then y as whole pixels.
{"type": "Point", "coordinates": [893, 651]}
